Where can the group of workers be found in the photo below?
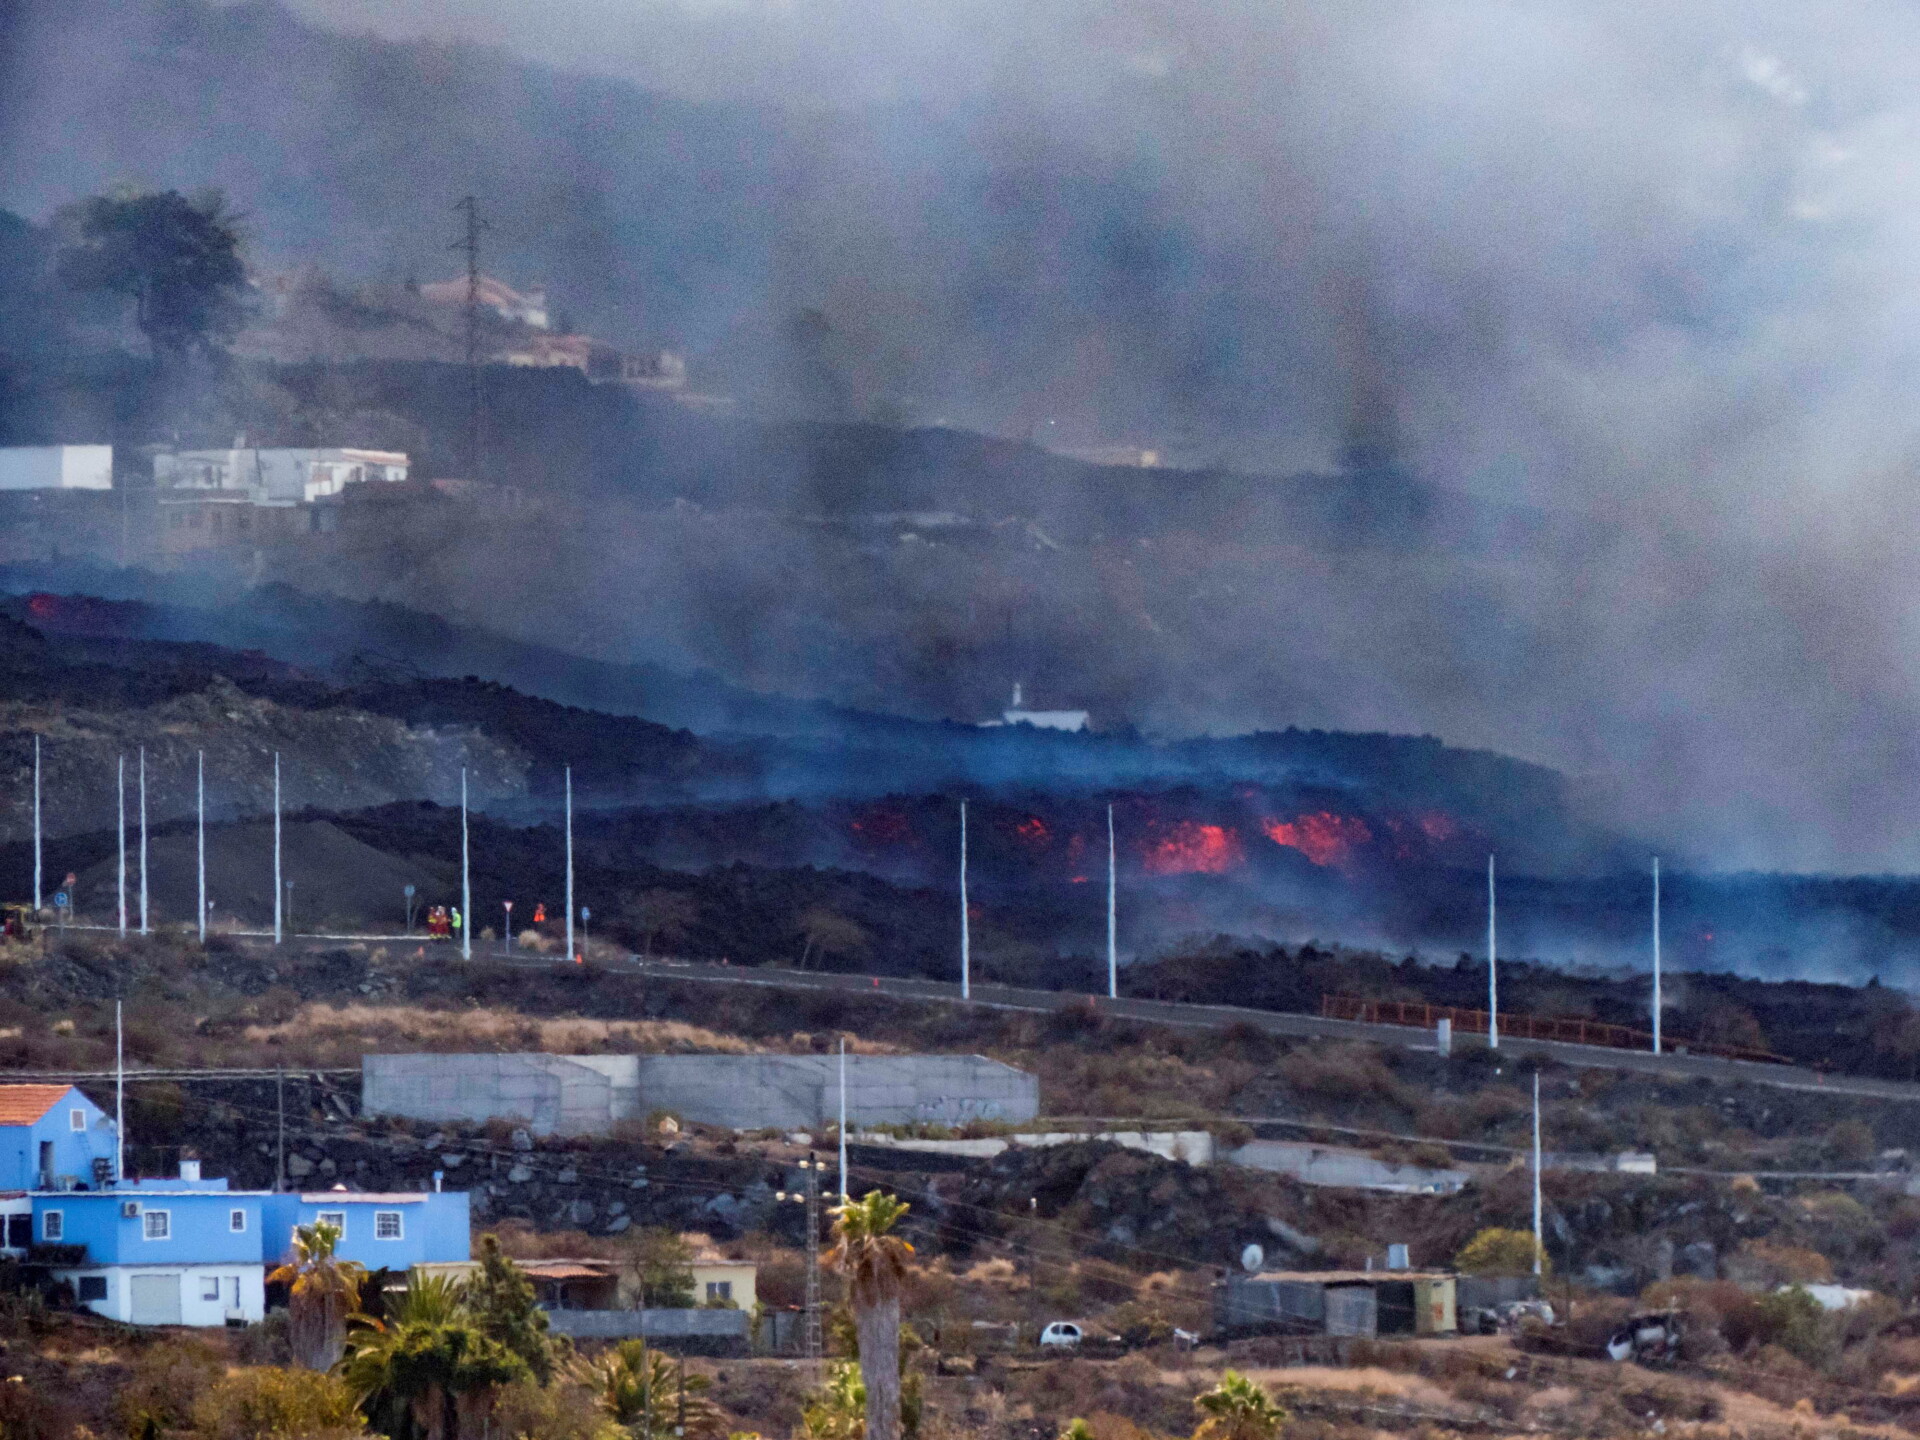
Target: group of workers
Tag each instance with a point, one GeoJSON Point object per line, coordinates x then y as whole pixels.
{"type": "Point", "coordinates": [443, 922]}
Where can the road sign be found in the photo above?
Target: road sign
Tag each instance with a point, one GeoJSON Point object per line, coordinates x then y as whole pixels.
{"type": "Point", "coordinates": [585, 913]}
{"type": "Point", "coordinates": [407, 890]}
{"type": "Point", "coordinates": [60, 900]}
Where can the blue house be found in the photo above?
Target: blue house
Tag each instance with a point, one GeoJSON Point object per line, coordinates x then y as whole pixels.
{"type": "Point", "coordinates": [184, 1250]}
{"type": "Point", "coordinates": [160, 1256]}
{"type": "Point", "coordinates": [52, 1137]}
{"type": "Point", "coordinates": [397, 1231]}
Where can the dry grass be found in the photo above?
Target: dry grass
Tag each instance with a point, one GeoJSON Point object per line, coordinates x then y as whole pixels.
{"type": "Point", "coordinates": [355, 1028]}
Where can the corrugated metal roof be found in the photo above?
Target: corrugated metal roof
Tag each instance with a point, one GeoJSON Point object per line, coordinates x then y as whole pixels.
{"type": "Point", "coordinates": [28, 1104]}
{"type": "Point", "coordinates": [566, 1270]}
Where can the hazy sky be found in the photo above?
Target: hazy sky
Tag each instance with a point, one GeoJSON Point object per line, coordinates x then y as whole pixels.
{"type": "Point", "coordinates": [1655, 263]}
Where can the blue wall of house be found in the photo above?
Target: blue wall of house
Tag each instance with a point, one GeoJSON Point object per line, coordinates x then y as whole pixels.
{"type": "Point", "coordinates": [74, 1151]}
{"type": "Point", "coordinates": [200, 1227]}
{"type": "Point", "coordinates": [433, 1227]}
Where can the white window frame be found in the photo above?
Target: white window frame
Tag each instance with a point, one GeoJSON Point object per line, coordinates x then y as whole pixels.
{"type": "Point", "coordinates": [148, 1228]}
{"type": "Point", "coordinates": [237, 1222]}
{"type": "Point", "coordinates": [209, 1282]}
{"type": "Point", "coordinates": [335, 1218]}
{"type": "Point", "coordinates": [76, 1119]}
{"type": "Point", "coordinates": [380, 1220]}
{"type": "Point", "coordinates": [53, 1226]}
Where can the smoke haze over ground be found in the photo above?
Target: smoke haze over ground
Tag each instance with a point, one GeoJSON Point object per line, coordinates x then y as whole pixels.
{"type": "Point", "coordinates": [1650, 273]}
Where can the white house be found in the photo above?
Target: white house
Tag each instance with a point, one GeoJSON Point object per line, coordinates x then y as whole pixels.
{"type": "Point", "coordinates": [56, 467]}
{"type": "Point", "coordinates": [1018, 714]}
{"type": "Point", "coordinates": [281, 476]}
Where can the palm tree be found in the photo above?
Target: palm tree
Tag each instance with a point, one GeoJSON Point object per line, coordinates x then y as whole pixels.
{"type": "Point", "coordinates": [429, 1370]}
{"type": "Point", "coordinates": [874, 1261]}
{"type": "Point", "coordinates": [322, 1292]}
{"type": "Point", "coordinates": [1238, 1409]}
{"type": "Point", "coordinates": [637, 1388]}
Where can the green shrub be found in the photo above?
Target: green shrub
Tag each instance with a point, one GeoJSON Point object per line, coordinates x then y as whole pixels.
{"type": "Point", "coordinates": [270, 1403]}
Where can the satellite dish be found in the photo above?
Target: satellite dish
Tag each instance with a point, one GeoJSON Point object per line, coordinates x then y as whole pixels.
{"type": "Point", "coordinates": [1252, 1258]}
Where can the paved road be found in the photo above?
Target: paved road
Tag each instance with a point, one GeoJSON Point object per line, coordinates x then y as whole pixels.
{"type": "Point", "coordinates": [1221, 1017]}
{"type": "Point", "coordinates": [1206, 1017]}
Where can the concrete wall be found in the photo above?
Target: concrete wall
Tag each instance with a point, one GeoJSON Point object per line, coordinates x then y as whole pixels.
{"type": "Point", "coordinates": [1194, 1147]}
{"type": "Point", "coordinates": [1344, 1168]}
{"type": "Point", "coordinates": [798, 1092]}
{"type": "Point", "coordinates": [695, 1332]}
{"type": "Point", "coordinates": [550, 1094]}
{"type": "Point", "coordinates": [584, 1095]}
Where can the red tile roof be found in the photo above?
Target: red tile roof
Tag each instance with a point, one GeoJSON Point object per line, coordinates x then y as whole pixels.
{"type": "Point", "coordinates": [27, 1104]}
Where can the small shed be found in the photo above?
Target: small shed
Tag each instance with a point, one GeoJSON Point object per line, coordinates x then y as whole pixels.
{"type": "Point", "coordinates": [1337, 1302]}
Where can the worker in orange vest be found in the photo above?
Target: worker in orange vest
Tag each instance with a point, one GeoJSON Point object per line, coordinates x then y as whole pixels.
{"type": "Point", "coordinates": [540, 914]}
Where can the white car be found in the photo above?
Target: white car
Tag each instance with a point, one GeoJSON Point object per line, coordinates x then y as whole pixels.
{"type": "Point", "coordinates": [1062, 1333]}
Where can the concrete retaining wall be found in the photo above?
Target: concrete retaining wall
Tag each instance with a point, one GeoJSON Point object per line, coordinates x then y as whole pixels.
{"type": "Point", "coordinates": [550, 1094]}
{"type": "Point", "coordinates": [1194, 1147]}
{"type": "Point", "coordinates": [691, 1332]}
{"type": "Point", "coordinates": [586, 1094]}
{"type": "Point", "coordinates": [1338, 1166]}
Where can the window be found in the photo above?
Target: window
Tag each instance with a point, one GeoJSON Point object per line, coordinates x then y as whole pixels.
{"type": "Point", "coordinates": [53, 1226]}
{"type": "Point", "coordinates": [156, 1224]}
{"type": "Point", "coordinates": [335, 1218]}
{"type": "Point", "coordinates": [719, 1290]}
{"type": "Point", "coordinates": [209, 1287]}
{"type": "Point", "coordinates": [76, 1119]}
{"type": "Point", "coordinates": [236, 1220]}
{"type": "Point", "coordinates": [386, 1224]}
{"type": "Point", "coordinates": [93, 1287]}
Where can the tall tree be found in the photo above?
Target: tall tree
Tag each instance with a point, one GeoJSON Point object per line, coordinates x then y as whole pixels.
{"type": "Point", "coordinates": [503, 1304]}
{"type": "Point", "coordinates": [176, 259]}
{"type": "Point", "coordinates": [322, 1291]}
{"type": "Point", "coordinates": [874, 1261]}
{"type": "Point", "coordinates": [429, 1372]}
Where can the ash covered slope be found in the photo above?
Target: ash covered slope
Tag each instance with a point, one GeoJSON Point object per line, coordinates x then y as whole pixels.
{"type": "Point", "coordinates": [1387, 798]}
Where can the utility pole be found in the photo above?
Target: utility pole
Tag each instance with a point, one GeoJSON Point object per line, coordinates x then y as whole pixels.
{"type": "Point", "coordinates": [36, 826]}
{"type": "Point", "coordinates": [200, 840]}
{"type": "Point", "coordinates": [844, 1196]}
{"type": "Point", "coordinates": [1539, 1242]}
{"type": "Point", "coordinates": [810, 1168]}
{"type": "Point", "coordinates": [280, 1135]}
{"type": "Point", "coordinates": [119, 1096]}
{"type": "Point", "coordinates": [1113, 913]}
{"type": "Point", "coordinates": [966, 936]}
{"type": "Point", "coordinates": [570, 954]}
{"type": "Point", "coordinates": [145, 929]}
{"type": "Point", "coordinates": [1493, 968]}
{"type": "Point", "coordinates": [814, 1345]}
{"type": "Point", "coordinates": [120, 796]}
{"type": "Point", "coordinates": [277, 914]}
{"type": "Point", "coordinates": [466, 880]}
{"type": "Point", "coordinates": [1656, 954]}
{"type": "Point", "coordinates": [469, 243]}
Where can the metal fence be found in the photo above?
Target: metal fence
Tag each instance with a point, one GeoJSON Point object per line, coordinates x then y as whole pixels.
{"type": "Point", "coordinates": [1567, 1029]}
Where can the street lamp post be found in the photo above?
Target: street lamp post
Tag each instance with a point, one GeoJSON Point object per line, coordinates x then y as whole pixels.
{"type": "Point", "coordinates": [507, 934]}
{"type": "Point", "coordinates": [408, 891]}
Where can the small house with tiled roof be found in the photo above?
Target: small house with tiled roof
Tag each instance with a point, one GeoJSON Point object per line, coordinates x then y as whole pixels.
{"type": "Point", "coordinates": [52, 1137]}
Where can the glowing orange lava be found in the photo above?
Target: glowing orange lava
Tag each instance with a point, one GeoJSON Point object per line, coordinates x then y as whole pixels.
{"type": "Point", "coordinates": [1188, 847]}
{"type": "Point", "coordinates": [1323, 837]}
{"type": "Point", "coordinates": [1033, 832]}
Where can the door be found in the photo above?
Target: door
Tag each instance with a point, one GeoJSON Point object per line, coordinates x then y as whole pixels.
{"type": "Point", "coordinates": [156, 1300]}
